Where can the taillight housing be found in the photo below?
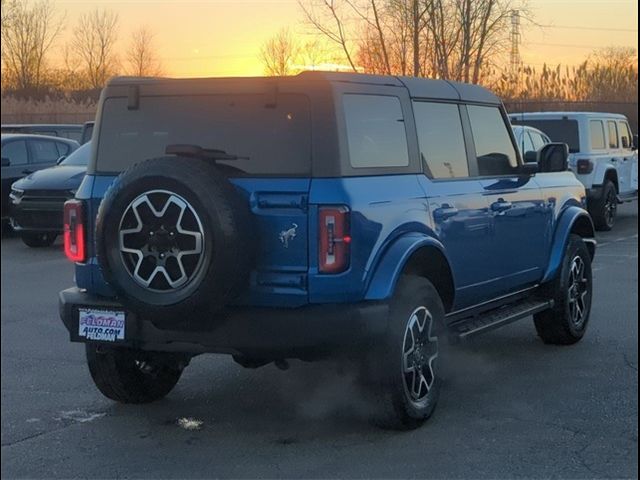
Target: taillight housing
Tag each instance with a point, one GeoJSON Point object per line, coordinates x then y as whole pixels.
{"type": "Point", "coordinates": [584, 166]}
{"type": "Point", "coordinates": [335, 239]}
{"type": "Point", "coordinates": [74, 230]}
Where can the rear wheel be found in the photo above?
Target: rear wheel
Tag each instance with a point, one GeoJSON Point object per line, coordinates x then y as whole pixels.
{"type": "Point", "coordinates": [403, 372]}
{"type": "Point", "coordinates": [566, 323]}
{"type": "Point", "coordinates": [38, 239]}
{"type": "Point", "coordinates": [604, 210]}
{"type": "Point", "coordinates": [133, 376]}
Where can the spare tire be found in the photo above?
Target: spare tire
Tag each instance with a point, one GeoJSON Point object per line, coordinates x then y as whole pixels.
{"type": "Point", "coordinates": [173, 240]}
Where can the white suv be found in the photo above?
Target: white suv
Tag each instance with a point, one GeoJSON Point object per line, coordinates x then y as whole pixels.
{"type": "Point", "coordinates": [603, 155]}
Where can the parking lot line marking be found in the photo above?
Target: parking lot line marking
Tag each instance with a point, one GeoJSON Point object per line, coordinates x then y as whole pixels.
{"type": "Point", "coordinates": [616, 240]}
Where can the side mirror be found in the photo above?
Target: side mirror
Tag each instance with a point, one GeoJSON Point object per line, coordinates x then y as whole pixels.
{"type": "Point", "coordinates": [531, 156]}
{"type": "Point", "coordinates": [635, 142]}
{"type": "Point", "coordinates": [6, 162]}
{"type": "Point", "coordinates": [60, 159]}
{"type": "Point", "coordinates": [554, 157]}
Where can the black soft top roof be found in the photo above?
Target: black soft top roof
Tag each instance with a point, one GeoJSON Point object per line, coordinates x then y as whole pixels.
{"type": "Point", "coordinates": [417, 87]}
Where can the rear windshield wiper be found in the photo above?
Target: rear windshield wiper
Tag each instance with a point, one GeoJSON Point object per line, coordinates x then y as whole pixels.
{"type": "Point", "coordinates": [196, 151]}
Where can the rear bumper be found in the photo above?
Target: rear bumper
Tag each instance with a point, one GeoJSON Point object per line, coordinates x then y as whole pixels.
{"type": "Point", "coordinates": [269, 333]}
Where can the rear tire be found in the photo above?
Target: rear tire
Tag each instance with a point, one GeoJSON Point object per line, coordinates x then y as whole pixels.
{"type": "Point", "coordinates": [572, 291]}
{"type": "Point", "coordinates": [603, 210]}
{"type": "Point", "coordinates": [132, 376]}
{"type": "Point", "coordinates": [402, 370]}
{"type": "Point", "coordinates": [38, 239]}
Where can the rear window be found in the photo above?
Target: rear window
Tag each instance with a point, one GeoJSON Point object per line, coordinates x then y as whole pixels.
{"type": "Point", "coordinates": [275, 140]}
{"type": "Point", "coordinates": [80, 157]}
{"type": "Point", "coordinates": [564, 131]}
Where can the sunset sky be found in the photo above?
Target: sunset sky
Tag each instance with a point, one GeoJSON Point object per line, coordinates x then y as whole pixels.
{"type": "Point", "coordinates": [221, 38]}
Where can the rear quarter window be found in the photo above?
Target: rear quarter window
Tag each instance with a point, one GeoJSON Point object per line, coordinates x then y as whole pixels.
{"type": "Point", "coordinates": [274, 140]}
{"type": "Point", "coordinates": [375, 131]}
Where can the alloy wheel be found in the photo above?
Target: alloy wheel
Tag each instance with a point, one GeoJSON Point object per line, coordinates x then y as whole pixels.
{"type": "Point", "coordinates": [419, 353]}
{"type": "Point", "coordinates": [578, 291]}
{"type": "Point", "coordinates": [610, 208]}
{"type": "Point", "coordinates": [161, 240]}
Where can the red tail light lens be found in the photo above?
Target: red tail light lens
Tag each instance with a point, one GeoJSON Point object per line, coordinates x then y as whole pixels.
{"type": "Point", "coordinates": [584, 166]}
{"type": "Point", "coordinates": [74, 234]}
{"type": "Point", "coordinates": [335, 241]}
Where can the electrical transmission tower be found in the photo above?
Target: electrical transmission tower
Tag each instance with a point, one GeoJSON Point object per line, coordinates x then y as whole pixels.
{"type": "Point", "coordinates": [515, 42]}
{"type": "Point", "coordinates": [516, 61]}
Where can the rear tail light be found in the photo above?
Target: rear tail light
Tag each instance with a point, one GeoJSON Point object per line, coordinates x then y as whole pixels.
{"type": "Point", "coordinates": [74, 230]}
{"type": "Point", "coordinates": [335, 241]}
{"type": "Point", "coordinates": [584, 166]}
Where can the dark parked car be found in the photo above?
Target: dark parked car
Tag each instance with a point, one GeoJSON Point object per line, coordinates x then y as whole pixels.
{"type": "Point", "coordinates": [324, 214]}
{"type": "Point", "coordinates": [24, 154]}
{"type": "Point", "coordinates": [38, 199]}
{"type": "Point", "coordinates": [70, 131]}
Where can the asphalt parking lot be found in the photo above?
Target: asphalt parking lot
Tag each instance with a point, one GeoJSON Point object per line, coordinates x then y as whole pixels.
{"type": "Point", "coordinates": [512, 407]}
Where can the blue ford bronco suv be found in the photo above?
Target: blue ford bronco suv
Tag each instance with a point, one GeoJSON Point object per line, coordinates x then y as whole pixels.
{"type": "Point", "coordinates": [325, 214]}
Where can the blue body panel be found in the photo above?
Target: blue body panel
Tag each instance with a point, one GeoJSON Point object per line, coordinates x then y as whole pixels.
{"type": "Point", "coordinates": [569, 217]}
{"type": "Point", "coordinates": [498, 235]}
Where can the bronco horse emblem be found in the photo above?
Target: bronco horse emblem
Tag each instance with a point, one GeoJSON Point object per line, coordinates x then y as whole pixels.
{"type": "Point", "coordinates": [287, 235]}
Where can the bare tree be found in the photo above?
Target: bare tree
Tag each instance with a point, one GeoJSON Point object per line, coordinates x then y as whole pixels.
{"type": "Point", "coordinates": [328, 17]}
{"type": "Point", "coordinates": [93, 44]}
{"type": "Point", "coordinates": [142, 57]}
{"type": "Point", "coordinates": [455, 39]}
{"type": "Point", "coordinates": [313, 54]}
{"type": "Point", "coordinates": [28, 32]}
{"type": "Point", "coordinates": [279, 54]}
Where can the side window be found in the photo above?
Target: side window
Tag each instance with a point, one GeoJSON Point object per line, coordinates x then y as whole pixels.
{"type": "Point", "coordinates": [441, 139]}
{"type": "Point", "coordinates": [63, 149]}
{"type": "Point", "coordinates": [375, 131]}
{"type": "Point", "coordinates": [625, 134]}
{"type": "Point", "coordinates": [613, 134]}
{"type": "Point", "coordinates": [495, 152]}
{"type": "Point", "coordinates": [538, 140]}
{"type": "Point", "coordinates": [597, 134]}
{"type": "Point", "coordinates": [44, 151]}
{"type": "Point", "coordinates": [16, 152]}
{"type": "Point", "coordinates": [527, 142]}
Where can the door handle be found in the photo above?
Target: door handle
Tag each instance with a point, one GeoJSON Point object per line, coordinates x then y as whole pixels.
{"type": "Point", "coordinates": [501, 206]}
{"type": "Point", "coordinates": [444, 212]}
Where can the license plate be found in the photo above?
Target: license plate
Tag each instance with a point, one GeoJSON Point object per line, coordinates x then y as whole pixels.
{"type": "Point", "coordinates": [101, 325]}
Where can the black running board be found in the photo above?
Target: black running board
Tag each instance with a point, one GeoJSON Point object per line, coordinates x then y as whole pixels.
{"type": "Point", "coordinates": [487, 321]}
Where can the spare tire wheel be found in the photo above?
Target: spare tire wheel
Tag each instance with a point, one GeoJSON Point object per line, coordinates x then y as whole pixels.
{"type": "Point", "coordinates": [173, 240]}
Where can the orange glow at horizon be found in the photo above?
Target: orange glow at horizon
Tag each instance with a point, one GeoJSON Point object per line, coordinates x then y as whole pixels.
{"type": "Point", "coordinates": [199, 38]}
